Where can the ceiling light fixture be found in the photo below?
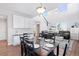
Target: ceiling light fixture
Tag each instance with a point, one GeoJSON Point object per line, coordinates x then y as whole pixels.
{"type": "Point", "coordinates": [41, 9]}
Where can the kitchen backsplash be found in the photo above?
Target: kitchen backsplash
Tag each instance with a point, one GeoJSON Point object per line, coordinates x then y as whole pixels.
{"type": "Point", "coordinates": [20, 31]}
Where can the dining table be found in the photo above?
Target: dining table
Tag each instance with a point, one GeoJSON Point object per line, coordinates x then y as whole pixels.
{"type": "Point", "coordinates": [44, 48]}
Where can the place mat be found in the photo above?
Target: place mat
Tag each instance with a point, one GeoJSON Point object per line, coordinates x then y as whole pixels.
{"type": "Point", "coordinates": [36, 45]}
{"type": "Point", "coordinates": [49, 45]}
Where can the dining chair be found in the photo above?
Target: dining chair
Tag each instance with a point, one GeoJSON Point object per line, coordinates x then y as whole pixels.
{"type": "Point", "coordinates": [49, 37]}
{"type": "Point", "coordinates": [65, 34]}
{"type": "Point", "coordinates": [51, 53]}
{"type": "Point", "coordinates": [25, 35]}
{"type": "Point", "coordinates": [29, 48]}
{"type": "Point", "coordinates": [30, 51]}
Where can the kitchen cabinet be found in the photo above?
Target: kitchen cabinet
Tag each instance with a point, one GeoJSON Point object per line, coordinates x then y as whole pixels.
{"type": "Point", "coordinates": [31, 23]}
{"type": "Point", "coordinates": [16, 40]}
{"type": "Point", "coordinates": [21, 22]}
{"type": "Point", "coordinates": [74, 32]}
{"type": "Point", "coordinates": [26, 23]}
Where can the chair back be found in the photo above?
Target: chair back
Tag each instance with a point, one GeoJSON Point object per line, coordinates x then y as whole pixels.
{"type": "Point", "coordinates": [29, 47]}
{"type": "Point", "coordinates": [25, 35]}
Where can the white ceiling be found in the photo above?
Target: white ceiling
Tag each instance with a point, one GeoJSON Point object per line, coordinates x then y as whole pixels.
{"type": "Point", "coordinates": [29, 9]}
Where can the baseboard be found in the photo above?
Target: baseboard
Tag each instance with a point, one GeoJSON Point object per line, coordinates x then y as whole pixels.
{"type": "Point", "coordinates": [3, 40]}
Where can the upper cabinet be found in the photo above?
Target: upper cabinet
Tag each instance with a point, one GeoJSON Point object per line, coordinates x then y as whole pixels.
{"type": "Point", "coordinates": [26, 22]}
{"type": "Point", "coordinates": [20, 22]}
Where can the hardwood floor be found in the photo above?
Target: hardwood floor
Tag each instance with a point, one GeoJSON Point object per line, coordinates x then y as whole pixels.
{"type": "Point", "coordinates": [75, 49]}
{"type": "Point", "coordinates": [6, 50]}
{"type": "Point", "coordinates": [3, 49]}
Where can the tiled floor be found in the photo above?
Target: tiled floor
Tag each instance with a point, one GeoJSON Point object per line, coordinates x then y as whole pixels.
{"type": "Point", "coordinates": [15, 50]}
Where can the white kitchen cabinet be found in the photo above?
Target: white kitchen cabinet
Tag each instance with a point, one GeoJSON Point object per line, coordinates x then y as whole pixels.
{"type": "Point", "coordinates": [16, 40]}
{"type": "Point", "coordinates": [26, 22]}
{"type": "Point", "coordinates": [21, 22]}
{"type": "Point", "coordinates": [74, 32]}
{"type": "Point", "coordinates": [31, 23]}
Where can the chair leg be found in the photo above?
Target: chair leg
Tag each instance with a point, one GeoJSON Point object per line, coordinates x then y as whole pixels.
{"type": "Point", "coordinates": [65, 50]}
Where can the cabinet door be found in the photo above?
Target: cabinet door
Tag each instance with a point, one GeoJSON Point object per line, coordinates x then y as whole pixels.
{"type": "Point", "coordinates": [74, 33]}
{"type": "Point", "coordinates": [26, 22]}
{"type": "Point", "coordinates": [74, 36]}
{"type": "Point", "coordinates": [16, 40]}
{"type": "Point", "coordinates": [29, 23]}
{"type": "Point", "coordinates": [18, 21]}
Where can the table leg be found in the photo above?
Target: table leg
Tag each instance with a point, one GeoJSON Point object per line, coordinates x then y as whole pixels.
{"type": "Point", "coordinates": [57, 50]}
{"type": "Point", "coordinates": [65, 50]}
{"type": "Point", "coordinates": [21, 49]}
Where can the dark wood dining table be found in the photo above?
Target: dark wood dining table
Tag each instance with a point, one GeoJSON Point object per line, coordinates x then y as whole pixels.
{"type": "Point", "coordinates": [44, 51]}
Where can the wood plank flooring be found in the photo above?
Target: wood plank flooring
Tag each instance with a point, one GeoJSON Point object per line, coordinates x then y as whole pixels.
{"type": "Point", "coordinates": [75, 49]}
{"type": "Point", "coordinates": [6, 50]}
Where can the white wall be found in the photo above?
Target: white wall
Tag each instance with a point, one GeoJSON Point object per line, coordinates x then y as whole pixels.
{"type": "Point", "coordinates": [3, 28]}
{"type": "Point", "coordinates": [69, 17]}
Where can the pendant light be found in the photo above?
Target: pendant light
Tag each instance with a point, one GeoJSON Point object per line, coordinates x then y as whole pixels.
{"type": "Point", "coordinates": [41, 9]}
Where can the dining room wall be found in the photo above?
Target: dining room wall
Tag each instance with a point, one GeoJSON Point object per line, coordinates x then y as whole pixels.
{"type": "Point", "coordinates": [65, 18]}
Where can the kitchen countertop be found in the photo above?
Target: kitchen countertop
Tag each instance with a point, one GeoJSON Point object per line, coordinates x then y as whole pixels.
{"type": "Point", "coordinates": [20, 34]}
